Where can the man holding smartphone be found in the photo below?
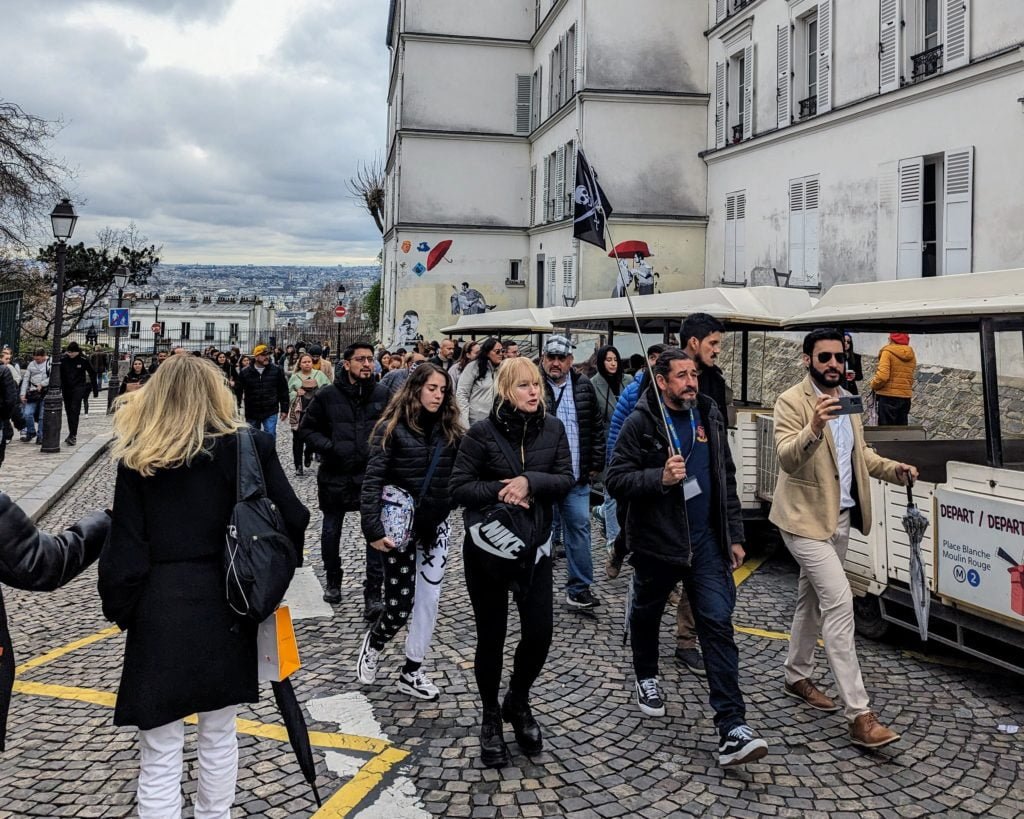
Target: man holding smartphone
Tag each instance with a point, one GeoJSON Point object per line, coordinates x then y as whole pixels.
{"type": "Point", "coordinates": [823, 489]}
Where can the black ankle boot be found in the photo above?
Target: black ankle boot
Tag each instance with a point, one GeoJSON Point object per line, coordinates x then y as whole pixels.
{"type": "Point", "coordinates": [493, 750]}
{"type": "Point", "coordinates": [516, 711]}
{"type": "Point", "coordinates": [373, 606]}
{"type": "Point", "coordinates": [332, 594]}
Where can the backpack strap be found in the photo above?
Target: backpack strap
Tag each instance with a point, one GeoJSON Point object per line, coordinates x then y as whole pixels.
{"type": "Point", "coordinates": [431, 469]}
{"type": "Point", "coordinates": [517, 464]}
{"type": "Point", "coordinates": [250, 471]}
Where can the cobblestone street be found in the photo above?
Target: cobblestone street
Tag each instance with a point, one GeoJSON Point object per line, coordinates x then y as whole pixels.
{"type": "Point", "coordinates": [381, 755]}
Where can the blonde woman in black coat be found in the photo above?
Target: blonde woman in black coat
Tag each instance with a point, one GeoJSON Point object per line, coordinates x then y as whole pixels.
{"type": "Point", "coordinates": [483, 476]}
{"type": "Point", "coordinates": [419, 428]}
{"type": "Point", "coordinates": [161, 579]}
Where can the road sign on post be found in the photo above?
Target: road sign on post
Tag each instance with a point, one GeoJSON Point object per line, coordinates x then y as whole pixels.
{"type": "Point", "coordinates": [339, 314]}
{"type": "Point", "coordinates": [119, 318]}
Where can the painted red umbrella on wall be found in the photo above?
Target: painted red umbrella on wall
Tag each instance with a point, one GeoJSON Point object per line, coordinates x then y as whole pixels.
{"type": "Point", "coordinates": [629, 249]}
{"type": "Point", "coordinates": [437, 253]}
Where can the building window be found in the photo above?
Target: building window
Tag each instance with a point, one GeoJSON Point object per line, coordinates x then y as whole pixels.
{"type": "Point", "coordinates": [233, 332]}
{"type": "Point", "coordinates": [928, 60]}
{"type": "Point", "coordinates": [135, 329]}
{"type": "Point", "coordinates": [930, 225]}
{"type": "Point", "coordinates": [208, 332]}
{"type": "Point", "coordinates": [931, 23]}
{"type": "Point", "coordinates": [186, 330]}
{"type": "Point", "coordinates": [735, 238]}
{"type": "Point", "coordinates": [570, 63]}
{"type": "Point", "coordinates": [809, 103]}
{"type": "Point", "coordinates": [734, 110]}
{"type": "Point", "coordinates": [535, 109]}
{"type": "Point", "coordinates": [513, 270]}
{"type": "Point", "coordinates": [555, 66]}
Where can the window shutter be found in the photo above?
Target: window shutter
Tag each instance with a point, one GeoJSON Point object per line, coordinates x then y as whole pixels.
{"type": "Point", "coordinates": [720, 10]}
{"type": "Point", "coordinates": [958, 218]}
{"type": "Point", "coordinates": [729, 274]}
{"type": "Point", "coordinates": [552, 82]}
{"type": "Point", "coordinates": [740, 252]}
{"type": "Point", "coordinates": [524, 95]}
{"type": "Point", "coordinates": [719, 105]}
{"type": "Point", "coordinates": [784, 86]}
{"type": "Point", "coordinates": [889, 61]}
{"type": "Point", "coordinates": [568, 278]}
{"type": "Point", "coordinates": [748, 92]}
{"type": "Point", "coordinates": [552, 262]}
{"type": "Point", "coordinates": [547, 188]}
{"type": "Point", "coordinates": [576, 79]}
{"type": "Point", "coordinates": [811, 190]}
{"type": "Point", "coordinates": [796, 231]}
{"type": "Point", "coordinates": [563, 70]}
{"type": "Point", "coordinates": [956, 35]}
{"type": "Point", "coordinates": [910, 222]}
{"type": "Point", "coordinates": [533, 196]}
{"type": "Point", "coordinates": [538, 84]}
{"type": "Point", "coordinates": [560, 182]}
{"type": "Point", "coordinates": [570, 177]}
{"type": "Point", "coordinates": [824, 56]}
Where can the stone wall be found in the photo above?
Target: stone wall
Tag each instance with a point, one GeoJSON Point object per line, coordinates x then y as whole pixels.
{"type": "Point", "coordinates": [947, 402]}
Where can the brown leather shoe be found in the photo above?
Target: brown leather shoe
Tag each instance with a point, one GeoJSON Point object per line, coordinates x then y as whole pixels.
{"type": "Point", "coordinates": [867, 732]}
{"type": "Point", "coordinates": [805, 690]}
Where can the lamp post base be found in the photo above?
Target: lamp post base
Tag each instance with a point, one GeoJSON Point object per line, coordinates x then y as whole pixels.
{"type": "Point", "coordinates": [53, 404]}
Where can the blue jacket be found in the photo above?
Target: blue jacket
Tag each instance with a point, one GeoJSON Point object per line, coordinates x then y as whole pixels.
{"type": "Point", "coordinates": [627, 402]}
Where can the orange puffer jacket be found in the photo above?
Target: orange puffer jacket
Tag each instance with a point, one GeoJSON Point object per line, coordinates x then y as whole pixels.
{"type": "Point", "coordinates": [895, 374]}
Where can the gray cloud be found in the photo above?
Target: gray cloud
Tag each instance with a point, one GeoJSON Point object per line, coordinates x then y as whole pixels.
{"type": "Point", "coordinates": [214, 168]}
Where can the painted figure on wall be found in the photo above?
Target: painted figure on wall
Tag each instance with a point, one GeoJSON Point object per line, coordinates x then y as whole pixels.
{"type": "Point", "coordinates": [468, 301]}
{"type": "Point", "coordinates": [640, 276]}
{"type": "Point", "coordinates": [407, 331]}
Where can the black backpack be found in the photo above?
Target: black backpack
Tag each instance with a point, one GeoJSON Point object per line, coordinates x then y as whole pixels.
{"type": "Point", "coordinates": [259, 558]}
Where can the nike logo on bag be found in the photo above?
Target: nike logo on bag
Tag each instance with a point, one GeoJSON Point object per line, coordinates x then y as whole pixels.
{"type": "Point", "coordinates": [497, 540]}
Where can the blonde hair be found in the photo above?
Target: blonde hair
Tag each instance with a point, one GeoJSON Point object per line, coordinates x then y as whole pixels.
{"type": "Point", "coordinates": [510, 373]}
{"type": "Point", "coordinates": [166, 424]}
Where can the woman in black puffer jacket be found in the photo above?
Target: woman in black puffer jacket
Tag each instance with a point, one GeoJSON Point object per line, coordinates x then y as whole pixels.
{"type": "Point", "coordinates": [482, 477]}
{"type": "Point", "coordinates": [413, 447]}
{"type": "Point", "coordinates": [35, 561]}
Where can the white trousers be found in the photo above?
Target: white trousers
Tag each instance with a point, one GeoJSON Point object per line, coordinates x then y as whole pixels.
{"type": "Point", "coordinates": [430, 568]}
{"type": "Point", "coordinates": [159, 793]}
{"type": "Point", "coordinates": [824, 603]}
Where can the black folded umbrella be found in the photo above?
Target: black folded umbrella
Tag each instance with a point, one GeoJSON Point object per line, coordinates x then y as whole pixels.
{"type": "Point", "coordinates": [298, 733]}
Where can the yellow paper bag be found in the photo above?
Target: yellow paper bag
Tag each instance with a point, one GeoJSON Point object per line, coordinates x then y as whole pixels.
{"type": "Point", "coordinates": [278, 651]}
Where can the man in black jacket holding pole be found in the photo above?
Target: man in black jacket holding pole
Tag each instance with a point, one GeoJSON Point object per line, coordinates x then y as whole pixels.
{"type": "Point", "coordinates": [684, 523]}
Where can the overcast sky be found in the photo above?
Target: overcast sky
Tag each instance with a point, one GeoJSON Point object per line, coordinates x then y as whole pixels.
{"type": "Point", "coordinates": [224, 128]}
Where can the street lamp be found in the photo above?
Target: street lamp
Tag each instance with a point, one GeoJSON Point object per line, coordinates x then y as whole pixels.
{"type": "Point", "coordinates": [337, 322]}
{"type": "Point", "coordinates": [156, 322]}
{"type": "Point", "coordinates": [63, 219]}
{"type": "Point", "coordinates": [120, 282]}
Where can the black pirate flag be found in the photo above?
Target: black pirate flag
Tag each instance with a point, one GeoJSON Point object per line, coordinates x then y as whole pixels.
{"type": "Point", "coordinates": [591, 207]}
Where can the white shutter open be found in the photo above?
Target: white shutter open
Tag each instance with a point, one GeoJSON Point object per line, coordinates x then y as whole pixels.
{"type": "Point", "coordinates": [568, 278]}
{"type": "Point", "coordinates": [783, 86]}
{"type": "Point", "coordinates": [720, 105]}
{"type": "Point", "coordinates": [524, 98]}
{"type": "Point", "coordinates": [910, 222]}
{"type": "Point", "coordinates": [956, 34]}
{"type": "Point", "coordinates": [720, 10]}
{"type": "Point", "coordinates": [824, 56]}
{"type": "Point", "coordinates": [889, 41]}
{"type": "Point", "coordinates": [748, 92]}
{"type": "Point", "coordinates": [570, 61]}
{"type": "Point", "coordinates": [533, 196]}
{"type": "Point", "coordinates": [570, 177]}
{"type": "Point", "coordinates": [740, 252]}
{"type": "Point", "coordinates": [560, 182]}
{"type": "Point", "coordinates": [552, 267]}
{"type": "Point", "coordinates": [547, 189]}
{"type": "Point", "coordinates": [729, 273]}
{"type": "Point", "coordinates": [538, 84]}
{"type": "Point", "coordinates": [957, 223]}
{"type": "Point", "coordinates": [811, 190]}
{"type": "Point", "coordinates": [796, 231]}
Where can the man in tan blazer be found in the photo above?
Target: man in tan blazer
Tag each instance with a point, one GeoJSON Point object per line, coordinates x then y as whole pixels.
{"type": "Point", "coordinates": [823, 490]}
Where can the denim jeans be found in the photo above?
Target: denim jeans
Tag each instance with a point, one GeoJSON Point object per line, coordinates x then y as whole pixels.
{"type": "Point", "coordinates": [574, 512]}
{"type": "Point", "coordinates": [611, 521]}
{"type": "Point", "coordinates": [33, 412]}
{"type": "Point", "coordinates": [712, 592]}
{"type": "Point", "coordinates": [330, 553]}
{"type": "Point", "coordinates": [266, 424]}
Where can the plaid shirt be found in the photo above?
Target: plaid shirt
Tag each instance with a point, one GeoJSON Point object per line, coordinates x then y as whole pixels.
{"type": "Point", "coordinates": [566, 413]}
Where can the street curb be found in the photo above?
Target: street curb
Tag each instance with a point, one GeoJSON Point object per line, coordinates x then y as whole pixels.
{"type": "Point", "coordinates": [41, 497]}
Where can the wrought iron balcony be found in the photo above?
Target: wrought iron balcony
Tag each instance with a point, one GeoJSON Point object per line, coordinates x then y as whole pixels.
{"type": "Point", "coordinates": [737, 133]}
{"type": "Point", "coordinates": [926, 63]}
{"type": "Point", "coordinates": [808, 107]}
{"type": "Point", "coordinates": [738, 4]}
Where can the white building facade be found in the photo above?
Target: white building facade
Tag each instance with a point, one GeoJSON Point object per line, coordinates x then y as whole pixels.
{"type": "Point", "coordinates": [854, 140]}
{"type": "Point", "coordinates": [487, 104]}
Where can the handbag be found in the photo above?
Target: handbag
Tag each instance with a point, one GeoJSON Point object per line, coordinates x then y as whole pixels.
{"type": "Point", "coordinates": [259, 557]}
{"type": "Point", "coordinates": [298, 406]}
{"type": "Point", "coordinates": [398, 508]}
{"type": "Point", "coordinates": [276, 646]}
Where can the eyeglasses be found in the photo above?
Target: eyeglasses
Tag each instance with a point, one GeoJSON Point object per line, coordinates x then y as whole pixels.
{"type": "Point", "coordinates": [823, 358]}
{"type": "Point", "coordinates": [362, 359]}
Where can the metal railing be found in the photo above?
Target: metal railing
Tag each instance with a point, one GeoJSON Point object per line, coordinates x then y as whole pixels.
{"type": "Point", "coordinates": [808, 107]}
{"type": "Point", "coordinates": [926, 63]}
{"type": "Point", "coordinates": [767, 458]}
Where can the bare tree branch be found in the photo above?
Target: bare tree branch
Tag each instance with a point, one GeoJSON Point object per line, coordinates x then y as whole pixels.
{"type": "Point", "coordinates": [367, 188]}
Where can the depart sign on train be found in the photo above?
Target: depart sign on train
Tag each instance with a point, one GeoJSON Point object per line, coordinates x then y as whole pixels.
{"type": "Point", "coordinates": [979, 552]}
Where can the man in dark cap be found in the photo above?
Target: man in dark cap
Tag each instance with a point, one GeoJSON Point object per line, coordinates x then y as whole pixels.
{"type": "Point", "coordinates": [320, 362]}
{"type": "Point", "coordinates": [77, 380]}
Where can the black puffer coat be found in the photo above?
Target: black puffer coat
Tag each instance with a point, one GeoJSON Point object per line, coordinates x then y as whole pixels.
{"type": "Point", "coordinates": [404, 462]}
{"type": "Point", "coordinates": [481, 465]}
{"type": "Point", "coordinates": [337, 424]}
{"type": "Point", "coordinates": [263, 394]}
{"type": "Point", "coordinates": [590, 417]}
{"type": "Point", "coordinates": [35, 561]}
{"type": "Point", "coordinates": [161, 579]}
{"type": "Point", "coordinates": [656, 522]}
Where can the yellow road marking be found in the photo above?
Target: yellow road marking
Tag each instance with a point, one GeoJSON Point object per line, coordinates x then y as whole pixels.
{"type": "Point", "coordinates": [65, 692]}
{"type": "Point", "coordinates": [760, 632]}
{"type": "Point", "coordinates": [50, 656]}
{"type": "Point", "coordinates": [361, 785]}
{"type": "Point", "coordinates": [747, 569]}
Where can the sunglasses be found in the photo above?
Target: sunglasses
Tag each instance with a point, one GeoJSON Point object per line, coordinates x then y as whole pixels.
{"type": "Point", "coordinates": [823, 358]}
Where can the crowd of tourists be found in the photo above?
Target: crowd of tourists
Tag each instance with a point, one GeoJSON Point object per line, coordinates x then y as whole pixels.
{"type": "Point", "coordinates": [404, 438]}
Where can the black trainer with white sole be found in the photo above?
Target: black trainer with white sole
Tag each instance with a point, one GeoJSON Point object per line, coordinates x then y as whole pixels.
{"type": "Point", "coordinates": [740, 746]}
{"type": "Point", "coordinates": [648, 697]}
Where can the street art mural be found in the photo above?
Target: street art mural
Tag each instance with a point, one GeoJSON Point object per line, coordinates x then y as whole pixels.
{"type": "Point", "coordinates": [407, 331]}
{"type": "Point", "coordinates": [634, 271]}
{"type": "Point", "coordinates": [469, 301]}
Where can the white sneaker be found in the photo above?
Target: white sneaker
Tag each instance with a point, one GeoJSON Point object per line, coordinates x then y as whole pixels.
{"type": "Point", "coordinates": [366, 667]}
{"type": "Point", "coordinates": [417, 684]}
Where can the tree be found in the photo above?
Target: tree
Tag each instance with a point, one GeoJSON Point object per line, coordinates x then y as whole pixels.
{"type": "Point", "coordinates": [30, 179]}
{"type": "Point", "coordinates": [371, 307]}
{"type": "Point", "coordinates": [367, 188]}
